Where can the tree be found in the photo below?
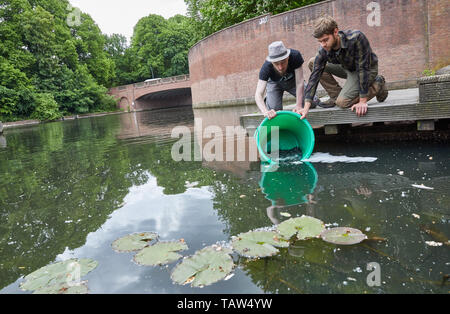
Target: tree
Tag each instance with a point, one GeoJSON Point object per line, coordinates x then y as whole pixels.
{"type": "Point", "coordinates": [44, 60]}
{"type": "Point", "coordinates": [214, 15]}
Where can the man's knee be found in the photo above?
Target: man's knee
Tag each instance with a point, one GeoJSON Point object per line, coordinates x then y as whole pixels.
{"type": "Point", "coordinates": [311, 63]}
{"type": "Point", "coordinates": [344, 102]}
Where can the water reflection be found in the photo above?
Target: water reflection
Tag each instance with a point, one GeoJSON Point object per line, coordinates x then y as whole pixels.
{"type": "Point", "coordinates": [287, 186]}
{"type": "Point", "coordinates": [70, 189]}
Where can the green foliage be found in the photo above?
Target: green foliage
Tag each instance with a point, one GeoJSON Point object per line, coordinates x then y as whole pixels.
{"type": "Point", "coordinates": [213, 15]}
{"type": "Point", "coordinates": [428, 72]}
{"type": "Point", "coordinates": [48, 68]}
{"type": "Point", "coordinates": [159, 48]}
{"type": "Point", "coordinates": [47, 108]}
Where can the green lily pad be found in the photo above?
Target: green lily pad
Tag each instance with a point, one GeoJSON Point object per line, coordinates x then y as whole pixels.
{"type": "Point", "coordinates": [58, 274]}
{"type": "Point", "coordinates": [160, 253]}
{"type": "Point", "coordinates": [305, 227]}
{"type": "Point", "coordinates": [80, 288]}
{"type": "Point", "coordinates": [343, 235]}
{"type": "Point", "coordinates": [258, 243]}
{"type": "Point", "coordinates": [204, 268]}
{"type": "Point", "coordinates": [134, 242]}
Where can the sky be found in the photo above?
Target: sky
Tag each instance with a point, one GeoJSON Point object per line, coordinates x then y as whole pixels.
{"type": "Point", "coordinates": [120, 16]}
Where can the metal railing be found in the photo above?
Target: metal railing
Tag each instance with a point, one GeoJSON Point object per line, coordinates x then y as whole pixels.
{"type": "Point", "coordinates": [155, 82]}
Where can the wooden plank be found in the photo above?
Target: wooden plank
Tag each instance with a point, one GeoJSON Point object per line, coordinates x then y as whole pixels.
{"type": "Point", "coordinates": [376, 113]}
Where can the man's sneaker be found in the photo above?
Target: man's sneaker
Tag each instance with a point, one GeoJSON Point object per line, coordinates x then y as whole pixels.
{"type": "Point", "coordinates": [328, 103]}
{"type": "Point", "coordinates": [383, 92]}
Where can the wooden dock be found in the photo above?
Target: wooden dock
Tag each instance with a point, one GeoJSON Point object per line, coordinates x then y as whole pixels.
{"type": "Point", "coordinates": [401, 105]}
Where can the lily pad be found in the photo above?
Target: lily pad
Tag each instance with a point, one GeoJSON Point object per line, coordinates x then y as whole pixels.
{"type": "Point", "coordinates": [134, 242]}
{"type": "Point", "coordinates": [58, 274]}
{"type": "Point", "coordinates": [305, 227]}
{"type": "Point", "coordinates": [204, 268]}
{"type": "Point", "coordinates": [343, 235]}
{"type": "Point", "coordinates": [160, 253]}
{"type": "Point", "coordinates": [258, 243]}
{"type": "Point", "coordinates": [80, 288]}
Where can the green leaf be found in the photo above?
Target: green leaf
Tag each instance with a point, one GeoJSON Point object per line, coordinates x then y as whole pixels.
{"type": "Point", "coordinates": [134, 242]}
{"type": "Point", "coordinates": [305, 227]}
{"type": "Point", "coordinates": [80, 288]}
{"type": "Point", "coordinates": [58, 274]}
{"type": "Point", "coordinates": [343, 235]}
{"type": "Point", "coordinates": [258, 243]}
{"type": "Point", "coordinates": [204, 268]}
{"type": "Point", "coordinates": [160, 253]}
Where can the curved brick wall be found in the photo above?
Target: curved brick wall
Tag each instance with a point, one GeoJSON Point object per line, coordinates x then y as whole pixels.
{"type": "Point", "coordinates": [412, 36]}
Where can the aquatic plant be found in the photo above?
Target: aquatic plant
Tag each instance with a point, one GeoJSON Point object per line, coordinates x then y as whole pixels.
{"type": "Point", "coordinates": [205, 267]}
{"type": "Point", "coordinates": [160, 253]}
{"type": "Point", "coordinates": [258, 243]}
{"type": "Point", "coordinates": [214, 263]}
{"type": "Point", "coordinates": [60, 278]}
{"type": "Point", "coordinates": [304, 227]}
{"type": "Point", "coordinates": [134, 242]}
{"type": "Point", "coordinates": [343, 236]}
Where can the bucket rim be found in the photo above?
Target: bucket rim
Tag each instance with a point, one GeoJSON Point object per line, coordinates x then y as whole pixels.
{"type": "Point", "coordinates": [284, 112]}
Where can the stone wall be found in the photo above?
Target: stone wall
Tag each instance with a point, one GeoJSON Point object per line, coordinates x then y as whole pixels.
{"type": "Point", "coordinates": [408, 36]}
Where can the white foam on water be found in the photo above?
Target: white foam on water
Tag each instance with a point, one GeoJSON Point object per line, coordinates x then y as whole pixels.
{"type": "Point", "coordinates": [328, 158]}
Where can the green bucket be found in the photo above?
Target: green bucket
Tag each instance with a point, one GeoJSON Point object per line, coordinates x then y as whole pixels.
{"type": "Point", "coordinates": [293, 133]}
{"type": "Point", "coordinates": [289, 185]}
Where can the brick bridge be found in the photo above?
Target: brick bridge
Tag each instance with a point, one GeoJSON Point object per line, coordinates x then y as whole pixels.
{"type": "Point", "coordinates": [166, 92]}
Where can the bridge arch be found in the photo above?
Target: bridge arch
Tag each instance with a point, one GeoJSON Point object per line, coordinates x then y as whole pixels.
{"type": "Point", "coordinates": [154, 94]}
{"type": "Point", "coordinates": [124, 104]}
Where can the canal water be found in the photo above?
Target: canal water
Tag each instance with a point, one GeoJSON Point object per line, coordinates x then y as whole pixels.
{"type": "Point", "coordinates": [69, 189]}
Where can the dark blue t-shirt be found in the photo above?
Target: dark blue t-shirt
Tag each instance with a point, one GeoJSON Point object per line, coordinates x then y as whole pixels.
{"type": "Point", "coordinates": [269, 72]}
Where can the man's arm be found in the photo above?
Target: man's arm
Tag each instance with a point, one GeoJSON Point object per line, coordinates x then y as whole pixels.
{"type": "Point", "coordinates": [363, 67]}
{"type": "Point", "coordinates": [319, 66]}
{"type": "Point", "coordinates": [300, 81]}
{"type": "Point", "coordinates": [259, 98]}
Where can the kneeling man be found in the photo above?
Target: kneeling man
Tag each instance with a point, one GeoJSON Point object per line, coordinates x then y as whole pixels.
{"type": "Point", "coordinates": [345, 54]}
{"type": "Point", "coordinates": [282, 71]}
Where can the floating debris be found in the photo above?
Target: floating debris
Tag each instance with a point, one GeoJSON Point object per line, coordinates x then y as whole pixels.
{"type": "Point", "coordinates": [422, 187]}
{"type": "Point", "coordinates": [416, 216]}
{"type": "Point", "coordinates": [433, 243]}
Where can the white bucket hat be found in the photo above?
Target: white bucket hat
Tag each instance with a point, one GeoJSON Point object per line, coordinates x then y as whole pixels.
{"type": "Point", "coordinates": [277, 52]}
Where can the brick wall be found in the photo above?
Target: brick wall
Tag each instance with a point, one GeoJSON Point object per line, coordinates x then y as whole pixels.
{"type": "Point", "coordinates": [412, 36]}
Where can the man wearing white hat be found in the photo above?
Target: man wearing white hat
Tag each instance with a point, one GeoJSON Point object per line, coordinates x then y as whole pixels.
{"type": "Point", "coordinates": [282, 71]}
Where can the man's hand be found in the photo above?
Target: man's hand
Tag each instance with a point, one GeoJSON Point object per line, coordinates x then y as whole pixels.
{"type": "Point", "coordinates": [361, 107]}
{"type": "Point", "coordinates": [302, 111]}
{"type": "Point", "coordinates": [270, 114]}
